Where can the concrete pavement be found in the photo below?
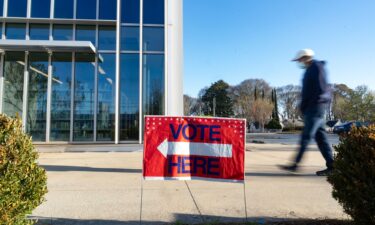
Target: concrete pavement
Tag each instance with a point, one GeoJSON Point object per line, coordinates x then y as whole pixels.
{"type": "Point", "coordinates": [107, 188]}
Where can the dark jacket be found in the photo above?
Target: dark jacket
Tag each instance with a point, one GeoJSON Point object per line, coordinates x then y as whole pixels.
{"type": "Point", "coordinates": [315, 89]}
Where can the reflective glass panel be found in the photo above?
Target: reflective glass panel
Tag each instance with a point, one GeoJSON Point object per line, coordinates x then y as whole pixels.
{"type": "Point", "coordinates": [107, 38]}
{"type": "Point", "coordinates": [130, 11]}
{"type": "Point", "coordinates": [37, 96]}
{"type": "Point", "coordinates": [64, 9]}
{"type": "Point", "coordinates": [62, 32]}
{"type": "Point", "coordinates": [107, 9]}
{"type": "Point", "coordinates": [61, 92]}
{"type": "Point", "coordinates": [1, 30]}
{"type": "Point", "coordinates": [153, 84]}
{"type": "Point", "coordinates": [106, 97]}
{"type": "Point", "coordinates": [153, 39]}
{"type": "Point", "coordinates": [84, 89]}
{"type": "Point", "coordinates": [16, 31]}
{"type": "Point", "coordinates": [40, 8]}
{"type": "Point", "coordinates": [1, 7]}
{"type": "Point", "coordinates": [39, 32]}
{"type": "Point", "coordinates": [86, 33]}
{"type": "Point", "coordinates": [153, 11]}
{"type": "Point", "coordinates": [129, 97]}
{"type": "Point", "coordinates": [14, 68]}
{"type": "Point", "coordinates": [17, 8]}
{"type": "Point", "coordinates": [86, 9]}
{"type": "Point", "coordinates": [130, 38]}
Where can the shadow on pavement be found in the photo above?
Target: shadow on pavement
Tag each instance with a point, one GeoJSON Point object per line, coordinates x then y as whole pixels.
{"type": "Point", "coordinates": [193, 219]}
{"type": "Point", "coordinates": [280, 175]}
{"type": "Point", "coordinates": [57, 168]}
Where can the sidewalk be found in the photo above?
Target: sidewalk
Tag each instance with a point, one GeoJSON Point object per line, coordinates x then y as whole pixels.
{"type": "Point", "coordinates": [106, 188]}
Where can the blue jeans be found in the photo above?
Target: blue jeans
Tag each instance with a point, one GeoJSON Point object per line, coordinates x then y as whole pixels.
{"type": "Point", "coordinates": [314, 128]}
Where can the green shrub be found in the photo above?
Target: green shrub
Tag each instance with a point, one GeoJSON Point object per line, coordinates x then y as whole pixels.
{"type": "Point", "coordinates": [274, 124]}
{"type": "Point", "coordinates": [292, 129]}
{"type": "Point", "coordinates": [353, 178]}
{"type": "Point", "coordinates": [22, 182]}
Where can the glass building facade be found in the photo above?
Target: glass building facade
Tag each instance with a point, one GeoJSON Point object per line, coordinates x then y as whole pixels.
{"type": "Point", "coordinates": [97, 95]}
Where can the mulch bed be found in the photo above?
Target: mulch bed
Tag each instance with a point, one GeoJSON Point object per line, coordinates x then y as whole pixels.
{"type": "Point", "coordinates": [312, 222]}
{"type": "Point", "coordinates": [296, 222]}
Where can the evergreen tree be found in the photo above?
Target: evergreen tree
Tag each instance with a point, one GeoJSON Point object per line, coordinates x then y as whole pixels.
{"type": "Point", "coordinates": [224, 104]}
{"type": "Point", "coordinates": [275, 121]}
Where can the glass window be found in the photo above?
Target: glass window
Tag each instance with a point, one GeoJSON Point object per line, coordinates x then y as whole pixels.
{"type": "Point", "coordinates": [1, 30]}
{"type": "Point", "coordinates": [130, 11]}
{"type": "Point", "coordinates": [107, 38]}
{"type": "Point", "coordinates": [1, 7]}
{"type": "Point", "coordinates": [86, 33]}
{"type": "Point", "coordinates": [14, 69]}
{"type": "Point", "coordinates": [107, 9]}
{"type": "Point", "coordinates": [62, 32]}
{"type": "Point", "coordinates": [153, 84]}
{"type": "Point", "coordinates": [153, 11]}
{"type": "Point", "coordinates": [106, 97]}
{"type": "Point", "coordinates": [17, 8]}
{"type": "Point", "coordinates": [64, 9]}
{"type": "Point", "coordinates": [153, 39]}
{"type": "Point", "coordinates": [129, 97]}
{"type": "Point", "coordinates": [86, 9]}
{"type": "Point", "coordinates": [60, 102]}
{"type": "Point", "coordinates": [16, 31]}
{"type": "Point", "coordinates": [40, 8]}
{"type": "Point", "coordinates": [39, 32]}
{"type": "Point", "coordinates": [130, 38]}
{"type": "Point", "coordinates": [37, 96]}
{"type": "Point", "coordinates": [84, 98]}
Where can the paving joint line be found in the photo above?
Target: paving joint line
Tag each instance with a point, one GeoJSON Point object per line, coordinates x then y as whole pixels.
{"type": "Point", "coordinates": [195, 203]}
{"type": "Point", "coordinates": [141, 205]}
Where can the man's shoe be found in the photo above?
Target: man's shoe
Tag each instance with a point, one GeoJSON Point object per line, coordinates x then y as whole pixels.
{"type": "Point", "coordinates": [290, 168]}
{"type": "Point", "coordinates": [324, 173]}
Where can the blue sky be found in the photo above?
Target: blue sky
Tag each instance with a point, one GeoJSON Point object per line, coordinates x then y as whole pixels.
{"type": "Point", "coordinates": [236, 40]}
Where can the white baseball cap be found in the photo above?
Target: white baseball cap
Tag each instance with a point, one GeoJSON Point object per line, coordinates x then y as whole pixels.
{"type": "Point", "coordinates": [304, 52]}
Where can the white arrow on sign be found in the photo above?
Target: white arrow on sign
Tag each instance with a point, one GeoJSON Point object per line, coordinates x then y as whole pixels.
{"type": "Point", "coordinates": [192, 148]}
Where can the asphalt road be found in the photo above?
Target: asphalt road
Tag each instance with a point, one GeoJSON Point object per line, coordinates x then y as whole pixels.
{"type": "Point", "coordinates": [284, 139]}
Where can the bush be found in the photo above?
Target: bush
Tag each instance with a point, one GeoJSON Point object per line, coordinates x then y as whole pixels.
{"type": "Point", "coordinates": [22, 181]}
{"type": "Point", "coordinates": [292, 129]}
{"type": "Point", "coordinates": [274, 124]}
{"type": "Point", "coordinates": [353, 178]}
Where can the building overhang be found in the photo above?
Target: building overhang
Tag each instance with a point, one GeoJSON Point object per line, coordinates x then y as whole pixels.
{"type": "Point", "coordinates": [47, 46]}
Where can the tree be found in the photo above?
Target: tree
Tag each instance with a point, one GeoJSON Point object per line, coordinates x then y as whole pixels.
{"type": "Point", "coordinates": [192, 106]}
{"type": "Point", "coordinates": [275, 121]}
{"type": "Point", "coordinates": [261, 111]}
{"type": "Point", "coordinates": [224, 104]}
{"type": "Point", "coordinates": [340, 97]}
{"type": "Point", "coordinates": [275, 112]}
{"type": "Point", "coordinates": [357, 104]}
{"type": "Point", "coordinates": [244, 94]}
{"type": "Point", "coordinates": [290, 96]}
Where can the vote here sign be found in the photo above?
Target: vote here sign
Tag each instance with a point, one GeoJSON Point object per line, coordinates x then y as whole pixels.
{"type": "Point", "coordinates": [184, 148]}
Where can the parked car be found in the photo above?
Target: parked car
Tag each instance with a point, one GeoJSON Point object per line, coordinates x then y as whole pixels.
{"type": "Point", "coordinates": [346, 127]}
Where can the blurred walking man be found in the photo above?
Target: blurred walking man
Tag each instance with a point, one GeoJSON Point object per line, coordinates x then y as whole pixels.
{"type": "Point", "coordinates": [315, 96]}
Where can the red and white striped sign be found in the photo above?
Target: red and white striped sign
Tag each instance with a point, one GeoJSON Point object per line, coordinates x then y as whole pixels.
{"type": "Point", "coordinates": [184, 148]}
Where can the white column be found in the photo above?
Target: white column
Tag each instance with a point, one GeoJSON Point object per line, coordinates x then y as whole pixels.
{"type": "Point", "coordinates": [49, 96]}
{"type": "Point", "coordinates": [96, 97]}
{"type": "Point", "coordinates": [29, 2]}
{"type": "Point", "coordinates": [117, 98]}
{"type": "Point", "coordinates": [25, 91]}
{"type": "Point", "coordinates": [174, 58]}
{"type": "Point", "coordinates": [72, 98]}
{"type": "Point", "coordinates": [5, 9]}
{"type": "Point", "coordinates": [1, 81]}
